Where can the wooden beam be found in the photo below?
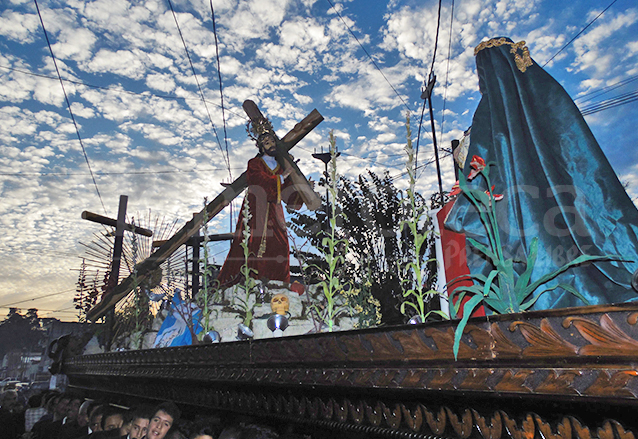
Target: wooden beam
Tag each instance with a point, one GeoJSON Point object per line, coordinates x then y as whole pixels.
{"type": "Point", "coordinates": [144, 268]}
{"type": "Point", "coordinates": [303, 187]}
{"type": "Point", "coordinates": [94, 217]}
{"type": "Point", "coordinates": [199, 239]}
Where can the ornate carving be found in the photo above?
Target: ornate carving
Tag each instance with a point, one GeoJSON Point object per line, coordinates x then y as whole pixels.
{"type": "Point", "coordinates": [606, 338]}
{"type": "Point", "coordinates": [401, 381]}
{"type": "Point", "coordinates": [544, 341]}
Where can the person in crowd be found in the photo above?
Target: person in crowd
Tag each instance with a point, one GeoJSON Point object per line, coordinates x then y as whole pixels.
{"type": "Point", "coordinates": [248, 431]}
{"type": "Point", "coordinates": [50, 428]}
{"type": "Point", "coordinates": [11, 415]}
{"type": "Point", "coordinates": [82, 422]}
{"type": "Point", "coordinates": [166, 416]}
{"type": "Point", "coordinates": [35, 411]}
{"type": "Point", "coordinates": [95, 418]}
{"type": "Point", "coordinates": [203, 433]}
{"type": "Point", "coordinates": [113, 419]}
{"type": "Point", "coordinates": [70, 426]}
{"type": "Point", "coordinates": [138, 420]}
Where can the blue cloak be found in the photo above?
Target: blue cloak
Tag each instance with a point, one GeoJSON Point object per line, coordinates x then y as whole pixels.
{"type": "Point", "coordinates": [557, 183]}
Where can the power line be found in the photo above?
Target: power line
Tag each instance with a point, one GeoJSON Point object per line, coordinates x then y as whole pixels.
{"type": "Point", "coordinates": [190, 61]}
{"type": "Point", "coordinates": [6, 305]}
{"type": "Point", "coordinates": [77, 129]}
{"type": "Point", "coordinates": [219, 74]}
{"type": "Point", "coordinates": [579, 33]}
{"type": "Point", "coordinates": [116, 90]}
{"type": "Point", "coordinates": [366, 52]}
{"type": "Point", "coordinates": [18, 174]}
{"type": "Point", "coordinates": [428, 87]}
{"type": "Point", "coordinates": [447, 71]}
{"type": "Point", "coordinates": [63, 310]}
{"type": "Point", "coordinates": [604, 90]}
{"type": "Point", "coordinates": [617, 101]}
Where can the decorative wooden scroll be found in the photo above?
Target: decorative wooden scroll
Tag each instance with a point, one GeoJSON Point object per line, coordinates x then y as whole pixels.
{"type": "Point", "coordinates": [563, 374]}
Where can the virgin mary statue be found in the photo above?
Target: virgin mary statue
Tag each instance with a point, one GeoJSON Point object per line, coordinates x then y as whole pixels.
{"type": "Point", "coordinates": [557, 184]}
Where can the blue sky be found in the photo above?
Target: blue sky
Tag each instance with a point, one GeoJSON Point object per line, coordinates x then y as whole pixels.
{"type": "Point", "coordinates": [147, 133]}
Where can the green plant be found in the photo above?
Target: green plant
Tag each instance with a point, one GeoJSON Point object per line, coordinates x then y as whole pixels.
{"type": "Point", "coordinates": [333, 250]}
{"type": "Point", "coordinates": [502, 290]}
{"type": "Point", "coordinates": [362, 305]}
{"type": "Point", "coordinates": [209, 291]}
{"type": "Point", "coordinates": [244, 305]}
{"type": "Point", "coordinates": [415, 295]}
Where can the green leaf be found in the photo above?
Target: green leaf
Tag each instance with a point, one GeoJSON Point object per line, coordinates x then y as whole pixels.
{"type": "Point", "coordinates": [488, 283]}
{"type": "Point", "coordinates": [579, 260]}
{"type": "Point", "coordinates": [483, 249]}
{"type": "Point", "coordinates": [468, 308]}
{"type": "Point", "coordinates": [566, 287]}
{"type": "Point", "coordinates": [523, 280]}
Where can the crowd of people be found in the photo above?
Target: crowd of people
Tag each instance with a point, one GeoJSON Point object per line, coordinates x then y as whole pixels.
{"type": "Point", "coordinates": [55, 415]}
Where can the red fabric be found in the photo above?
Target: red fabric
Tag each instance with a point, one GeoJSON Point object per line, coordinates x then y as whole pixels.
{"type": "Point", "coordinates": [267, 227]}
{"type": "Point", "coordinates": [455, 259]}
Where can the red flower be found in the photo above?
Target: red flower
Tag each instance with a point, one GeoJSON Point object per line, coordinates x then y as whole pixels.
{"type": "Point", "coordinates": [477, 164]}
{"type": "Point", "coordinates": [456, 189]}
{"type": "Point", "coordinates": [497, 197]}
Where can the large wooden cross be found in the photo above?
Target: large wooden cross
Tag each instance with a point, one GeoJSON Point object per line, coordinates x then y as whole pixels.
{"type": "Point", "coordinates": [147, 266]}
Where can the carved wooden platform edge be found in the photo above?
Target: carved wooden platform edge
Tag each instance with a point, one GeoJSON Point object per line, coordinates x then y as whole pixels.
{"type": "Point", "coordinates": [585, 355]}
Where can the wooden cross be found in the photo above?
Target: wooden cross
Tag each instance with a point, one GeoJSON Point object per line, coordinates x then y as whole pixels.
{"type": "Point", "coordinates": [147, 266]}
{"type": "Point", "coordinates": [120, 227]}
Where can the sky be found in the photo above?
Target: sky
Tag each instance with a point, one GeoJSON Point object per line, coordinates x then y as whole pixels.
{"type": "Point", "coordinates": [135, 94]}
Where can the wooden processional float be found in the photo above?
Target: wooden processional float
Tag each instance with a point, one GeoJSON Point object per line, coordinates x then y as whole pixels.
{"type": "Point", "coordinates": [556, 374]}
{"type": "Point", "coordinates": [564, 373]}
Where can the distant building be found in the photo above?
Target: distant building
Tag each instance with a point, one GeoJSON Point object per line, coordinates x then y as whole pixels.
{"type": "Point", "coordinates": [34, 365]}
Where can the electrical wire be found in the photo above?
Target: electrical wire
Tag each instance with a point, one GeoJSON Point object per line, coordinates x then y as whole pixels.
{"type": "Point", "coordinates": [368, 54]}
{"type": "Point", "coordinates": [447, 70]}
{"type": "Point", "coordinates": [116, 90]}
{"type": "Point", "coordinates": [77, 129]}
{"type": "Point", "coordinates": [579, 33]}
{"type": "Point", "coordinates": [617, 101]}
{"type": "Point", "coordinates": [6, 305]}
{"type": "Point", "coordinates": [221, 91]}
{"type": "Point", "coordinates": [604, 90]}
{"type": "Point", "coordinates": [201, 92]}
{"type": "Point", "coordinates": [99, 174]}
{"type": "Point", "coordinates": [430, 77]}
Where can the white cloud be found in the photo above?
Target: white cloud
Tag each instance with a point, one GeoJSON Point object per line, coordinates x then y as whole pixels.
{"type": "Point", "coordinates": [20, 27]}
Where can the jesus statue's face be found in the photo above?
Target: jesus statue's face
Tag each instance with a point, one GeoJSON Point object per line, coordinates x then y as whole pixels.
{"type": "Point", "coordinates": [269, 145]}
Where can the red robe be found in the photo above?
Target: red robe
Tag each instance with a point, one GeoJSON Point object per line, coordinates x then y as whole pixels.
{"type": "Point", "coordinates": [268, 241]}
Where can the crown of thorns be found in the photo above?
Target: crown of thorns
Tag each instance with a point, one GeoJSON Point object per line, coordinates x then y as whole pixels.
{"type": "Point", "coordinates": [256, 129]}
